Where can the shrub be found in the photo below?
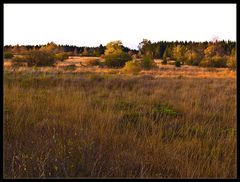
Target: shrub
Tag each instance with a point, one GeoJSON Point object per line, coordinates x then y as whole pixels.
{"type": "Point", "coordinates": [215, 61]}
{"type": "Point", "coordinates": [40, 58]}
{"type": "Point", "coordinates": [177, 63]}
{"type": "Point", "coordinates": [8, 55]}
{"type": "Point", "coordinates": [205, 62]}
{"type": "Point", "coordinates": [132, 67]}
{"type": "Point", "coordinates": [196, 62]}
{"type": "Point", "coordinates": [61, 56]}
{"type": "Point", "coordinates": [116, 60]}
{"type": "Point", "coordinates": [231, 62]}
{"type": "Point", "coordinates": [36, 58]}
{"type": "Point", "coordinates": [18, 61]}
{"type": "Point", "coordinates": [147, 62]}
{"type": "Point", "coordinates": [219, 61]}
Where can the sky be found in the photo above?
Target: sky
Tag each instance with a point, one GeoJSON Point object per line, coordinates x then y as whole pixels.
{"type": "Point", "coordinates": [95, 24]}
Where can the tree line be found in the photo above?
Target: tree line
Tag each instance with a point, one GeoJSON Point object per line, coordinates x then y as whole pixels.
{"type": "Point", "coordinates": [210, 54]}
{"type": "Point", "coordinates": [207, 54]}
{"type": "Point", "coordinates": [72, 50]}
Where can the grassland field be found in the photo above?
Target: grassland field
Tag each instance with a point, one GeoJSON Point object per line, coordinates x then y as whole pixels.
{"type": "Point", "coordinates": [166, 122]}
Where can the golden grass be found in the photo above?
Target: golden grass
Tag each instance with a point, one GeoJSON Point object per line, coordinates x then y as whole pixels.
{"type": "Point", "coordinates": [108, 125]}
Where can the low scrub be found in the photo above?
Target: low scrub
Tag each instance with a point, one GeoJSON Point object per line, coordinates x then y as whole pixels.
{"type": "Point", "coordinates": [215, 61]}
{"type": "Point", "coordinates": [177, 63]}
{"type": "Point", "coordinates": [41, 58]}
{"type": "Point", "coordinates": [147, 63]}
{"type": "Point", "coordinates": [8, 55]}
{"type": "Point", "coordinates": [131, 67]}
{"type": "Point", "coordinates": [62, 56]}
{"type": "Point", "coordinates": [36, 58]}
{"type": "Point", "coordinates": [116, 60]}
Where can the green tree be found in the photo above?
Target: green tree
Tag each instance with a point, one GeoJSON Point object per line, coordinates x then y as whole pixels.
{"type": "Point", "coordinates": [114, 47]}
{"type": "Point", "coordinates": [96, 52]}
{"type": "Point", "coordinates": [146, 48]}
{"type": "Point", "coordinates": [231, 62]}
{"type": "Point", "coordinates": [210, 51]}
{"type": "Point", "coordinates": [114, 54]}
{"type": "Point", "coordinates": [131, 67]}
{"type": "Point", "coordinates": [8, 55]}
{"type": "Point", "coordinates": [85, 51]}
{"type": "Point", "coordinates": [61, 56]}
{"type": "Point", "coordinates": [147, 62]}
{"type": "Point", "coordinates": [50, 47]}
{"type": "Point", "coordinates": [191, 57]}
{"type": "Point", "coordinates": [166, 55]}
{"type": "Point", "coordinates": [178, 52]}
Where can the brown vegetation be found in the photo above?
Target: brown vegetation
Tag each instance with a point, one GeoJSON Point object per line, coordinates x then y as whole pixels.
{"type": "Point", "coordinates": [165, 125]}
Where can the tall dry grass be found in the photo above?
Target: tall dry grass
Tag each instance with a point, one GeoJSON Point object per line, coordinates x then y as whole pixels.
{"type": "Point", "coordinates": [102, 125]}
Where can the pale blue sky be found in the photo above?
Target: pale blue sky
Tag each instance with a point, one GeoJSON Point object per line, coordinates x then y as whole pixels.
{"type": "Point", "coordinates": [94, 24]}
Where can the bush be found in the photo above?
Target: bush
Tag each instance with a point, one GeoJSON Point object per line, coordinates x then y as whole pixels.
{"type": "Point", "coordinates": [215, 61]}
{"type": "Point", "coordinates": [177, 63]}
{"type": "Point", "coordinates": [231, 62]}
{"type": "Point", "coordinates": [61, 56]}
{"type": "Point", "coordinates": [147, 62]}
{"type": "Point", "coordinates": [19, 61]}
{"type": "Point", "coordinates": [40, 58]}
{"type": "Point", "coordinates": [8, 55]}
{"type": "Point", "coordinates": [219, 61]}
{"type": "Point", "coordinates": [196, 62]}
{"type": "Point", "coordinates": [36, 58]}
{"type": "Point", "coordinates": [132, 67]}
{"type": "Point", "coordinates": [116, 60]}
{"type": "Point", "coordinates": [205, 62]}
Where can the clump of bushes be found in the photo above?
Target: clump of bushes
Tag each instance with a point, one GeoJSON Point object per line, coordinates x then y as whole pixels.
{"type": "Point", "coordinates": [177, 63]}
{"type": "Point", "coordinates": [62, 56]}
{"type": "Point", "coordinates": [40, 58]}
{"type": "Point", "coordinates": [19, 61]}
{"type": "Point", "coordinates": [132, 67]}
{"type": "Point", "coordinates": [215, 61]}
{"type": "Point", "coordinates": [231, 62]}
{"type": "Point", "coordinates": [8, 55]}
{"type": "Point", "coordinates": [36, 58]}
{"type": "Point", "coordinates": [147, 63]}
{"type": "Point", "coordinates": [116, 60]}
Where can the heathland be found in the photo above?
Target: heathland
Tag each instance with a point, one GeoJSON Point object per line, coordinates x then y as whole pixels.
{"type": "Point", "coordinates": [112, 117]}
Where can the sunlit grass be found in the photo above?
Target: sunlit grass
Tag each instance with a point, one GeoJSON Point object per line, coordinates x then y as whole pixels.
{"type": "Point", "coordinates": [108, 125]}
